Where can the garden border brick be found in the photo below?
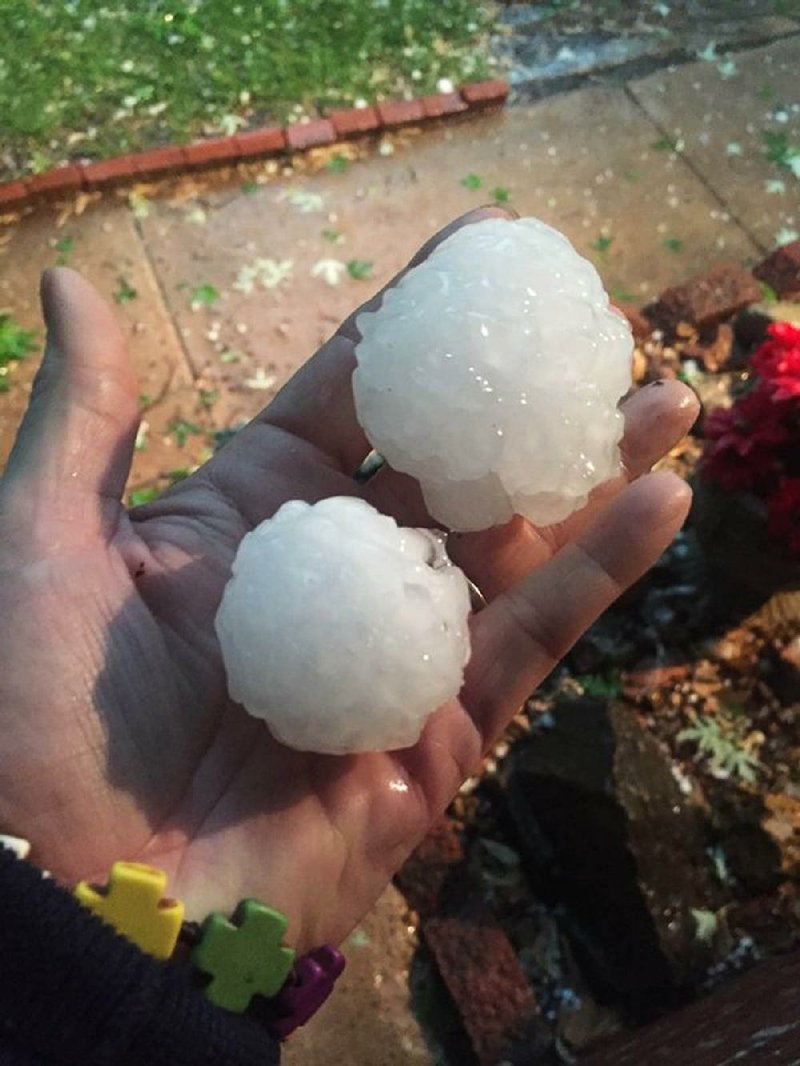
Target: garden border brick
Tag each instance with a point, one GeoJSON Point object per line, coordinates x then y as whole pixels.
{"type": "Point", "coordinates": [340, 124]}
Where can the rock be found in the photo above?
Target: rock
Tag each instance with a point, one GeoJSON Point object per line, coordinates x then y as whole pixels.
{"type": "Point", "coordinates": [781, 271]}
{"type": "Point", "coordinates": [751, 325]}
{"type": "Point", "coordinates": [641, 326]}
{"type": "Point", "coordinates": [651, 674]}
{"type": "Point", "coordinates": [784, 671]}
{"type": "Point", "coordinates": [606, 831]}
{"type": "Point", "coordinates": [782, 823]}
{"type": "Point", "coordinates": [714, 352]}
{"type": "Point", "coordinates": [705, 300]}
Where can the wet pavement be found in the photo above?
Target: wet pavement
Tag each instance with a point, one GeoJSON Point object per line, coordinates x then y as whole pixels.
{"type": "Point", "coordinates": [227, 283]}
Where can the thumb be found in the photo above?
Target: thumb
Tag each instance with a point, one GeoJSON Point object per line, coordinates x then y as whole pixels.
{"type": "Point", "coordinates": [76, 440]}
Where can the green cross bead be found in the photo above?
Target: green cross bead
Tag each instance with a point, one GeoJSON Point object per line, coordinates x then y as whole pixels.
{"type": "Point", "coordinates": [244, 956]}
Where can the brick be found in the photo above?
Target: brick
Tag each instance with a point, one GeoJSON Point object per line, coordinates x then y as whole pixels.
{"type": "Point", "coordinates": [781, 271]}
{"type": "Point", "coordinates": [479, 94]}
{"type": "Point", "coordinates": [62, 179]}
{"type": "Point", "coordinates": [108, 171]}
{"type": "Point", "coordinates": [442, 105]}
{"type": "Point", "coordinates": [351, 121]}
{"type": "Point", "coordinates": [715, 351]}
{"type": "Point", "coordinates": [400, 112]}
{"type": "Point", "coordinates": [706, 300]}
{"type": "Point", "coordinates": [314, 134]}
{"type": "Point", "coordinates": [641, 327]}
{"type": "Point", "coordinates": [211, 151]}
{"type": "Point", "coordinates": [12, 194]}
{"type": "Point", "coordinates": [166, 160]}
{"type": "Point", "coordinates": [487, 985]}
{"type": "Point", "coordinates": [269, 140]}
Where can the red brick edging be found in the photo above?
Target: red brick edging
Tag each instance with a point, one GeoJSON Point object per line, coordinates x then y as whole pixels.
{"type": "Point", "coordinates": [252, 144]}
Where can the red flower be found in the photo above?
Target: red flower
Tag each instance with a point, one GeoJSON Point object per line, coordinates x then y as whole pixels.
{"type": "Point", "coordinates": [784, 514]}
{"type": "Point", "coordinates": [741, 442]}
{"type": "Point", "coordinates": [755, 445]}
{"type": "Point", "coordinates": [778, 360]}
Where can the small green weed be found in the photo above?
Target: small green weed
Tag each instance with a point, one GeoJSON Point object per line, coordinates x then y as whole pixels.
{"type": "Point", "coordinates": [602, 244]}
{"type": "Point", "coordinates": [182, 430]}
{"type": "Point", "coordinates": [125, 292]}
{"type": "Point", "coordinates": [472, 181]}
{"type": "Point", "coordinates": [604, 686]}
{"type": "Point", "coordinates": [15, 344]}
{"type": "Point", "coordinates": [721, 745]}
{"type": "Point", "coordinates": [204, 295]}
{"type": "Point", "coordinates": [360, 269]}
{"type": "Point", "coordinates": [139, 497]}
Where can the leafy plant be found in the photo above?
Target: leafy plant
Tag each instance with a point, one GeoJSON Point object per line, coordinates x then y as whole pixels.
{"type": "Point", "coordinates": [15, 344]}
{"type": "Point", "coordinates": [125, 292]}
{"type": "Point", "coordinates": [182, 430]}
{"type": "Point", "coordinates": [333, 236]}
{"type": "Point", "coordinates": [64, 246]}
{"type": "Point", "coordinates": [604, 686]}
{"type": "Point", "coordinates": [673, 244]}
{"type": "Point", "coordinates": [360, 269]}
{"type": "Point", "coordinates": [781, 151]}
{"type": "Point", "coordinates": [722, 748]}
{"type": "Point", "coordinates": [338, 163]}
{"type": "Point", "coordinates": [204, 295]}
{"type": "Point", "coordinates": [501, 195]}
{"type": "Point", "coordinates": [602, 244]}
{"type": "Point", "coordinates": [139, 497]}
{"type": "Point", "coordinates": [472, 181]}
{"type": "Point", "coordinates": [668, 144]}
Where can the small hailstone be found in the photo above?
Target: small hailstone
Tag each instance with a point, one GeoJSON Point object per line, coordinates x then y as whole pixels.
{"type": "Point", "coordinates": [492, 373]}
{"type": "Point", "coordinates": [342, 630]}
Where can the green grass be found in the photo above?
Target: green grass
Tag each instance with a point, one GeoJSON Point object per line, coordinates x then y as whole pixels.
{"type": "Point", "coordinates": [85, 79]}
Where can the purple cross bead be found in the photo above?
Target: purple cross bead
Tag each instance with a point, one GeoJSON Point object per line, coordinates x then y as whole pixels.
{"type": "Point", "coordinates": [306, 990]}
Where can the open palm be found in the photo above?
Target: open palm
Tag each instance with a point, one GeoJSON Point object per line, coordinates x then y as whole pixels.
{"type": "Point", "coordinates": [118, 739]}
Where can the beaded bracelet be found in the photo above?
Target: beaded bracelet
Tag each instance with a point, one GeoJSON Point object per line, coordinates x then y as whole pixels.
{"type": "Point", "coordinates": [242, 961]}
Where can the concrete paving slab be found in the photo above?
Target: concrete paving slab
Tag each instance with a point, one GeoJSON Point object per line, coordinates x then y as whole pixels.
{"type": "Point", "coordinates": [103, 244]}
{"type": "Point", "coordinates": [367, 1020]}
{"type": "Point", "coordinates": [723, 113]}
{"type": "Point", "coordinates": [583, 162]}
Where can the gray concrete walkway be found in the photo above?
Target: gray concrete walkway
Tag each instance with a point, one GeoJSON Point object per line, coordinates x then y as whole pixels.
{"type": "Point", "coordinates": [655, 180]}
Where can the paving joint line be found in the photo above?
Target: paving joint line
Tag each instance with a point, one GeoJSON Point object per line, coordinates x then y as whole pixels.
{"type": "Point", "coordinates": [162, 292]}
{"type": "Point", "coordinates": [691, 166]}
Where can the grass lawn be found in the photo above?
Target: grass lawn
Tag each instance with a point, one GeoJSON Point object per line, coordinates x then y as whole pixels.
{"type": "Point", "coordinates": [81, 79]}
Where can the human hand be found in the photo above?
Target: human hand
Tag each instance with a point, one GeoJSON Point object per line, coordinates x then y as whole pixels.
{"type": "Point", "coordinates": [118, 739]}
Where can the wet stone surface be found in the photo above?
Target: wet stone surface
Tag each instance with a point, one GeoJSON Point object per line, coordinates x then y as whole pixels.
{"type": "Point", "coordinates": [607, 832]}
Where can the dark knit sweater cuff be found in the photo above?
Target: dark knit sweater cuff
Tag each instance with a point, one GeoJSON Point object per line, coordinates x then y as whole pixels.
{"type": "Point", "coordinates": [73, 990]}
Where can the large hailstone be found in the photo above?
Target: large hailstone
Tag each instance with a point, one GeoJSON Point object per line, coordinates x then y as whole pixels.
{"type": "Point", "coordinates": [342, 630]}
{"type": "Point", "coordinates": [492, 372]}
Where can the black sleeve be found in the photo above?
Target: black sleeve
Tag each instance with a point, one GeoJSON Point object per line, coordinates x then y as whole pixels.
{"type": "Point", "coordinates": [75, 993]}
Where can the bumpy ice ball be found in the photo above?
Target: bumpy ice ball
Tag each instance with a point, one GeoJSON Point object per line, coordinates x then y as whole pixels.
{"type": "Point", "coordinates": [492, 373]}
{"type": "Point", "coordinates": [342, 630]}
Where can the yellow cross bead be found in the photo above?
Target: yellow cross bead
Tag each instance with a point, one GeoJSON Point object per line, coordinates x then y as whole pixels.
{"type": "Point", "coordinates": [133, 903]}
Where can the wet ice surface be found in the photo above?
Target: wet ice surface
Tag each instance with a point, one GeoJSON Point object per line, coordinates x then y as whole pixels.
{"type": "Point", "coordinates": [342, 630]}
{"type": "Point", "coordinates": [492, 374]}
